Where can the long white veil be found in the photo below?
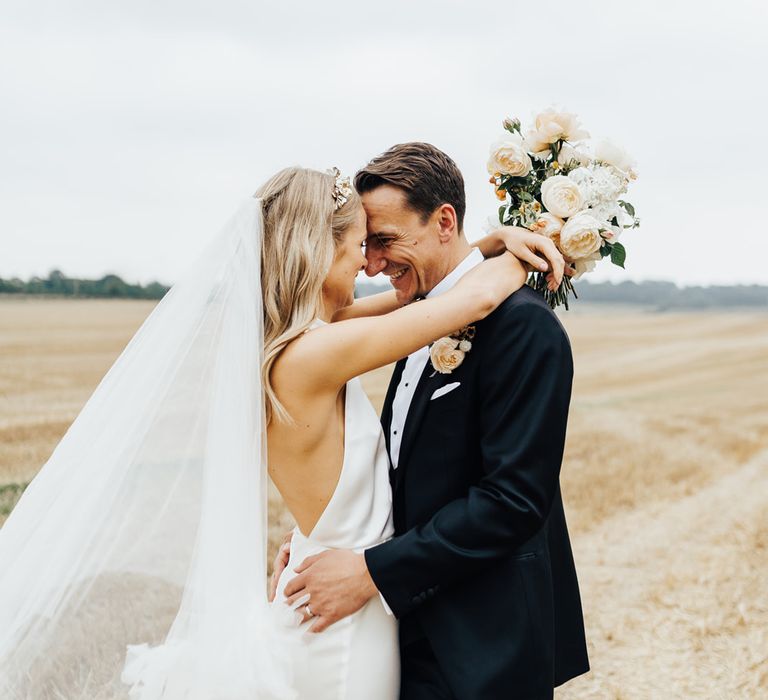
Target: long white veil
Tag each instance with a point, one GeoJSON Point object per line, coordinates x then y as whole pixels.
{"type": "Point", "coordinates": [134, 565]}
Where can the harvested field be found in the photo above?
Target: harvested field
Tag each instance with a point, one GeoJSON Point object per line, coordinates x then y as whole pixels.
{"type": "Point", "coordinates": [665, 478]}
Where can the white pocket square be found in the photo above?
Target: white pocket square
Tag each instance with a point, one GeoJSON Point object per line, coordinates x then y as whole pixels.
{"type": "Point", "coordinates": [443, 390]}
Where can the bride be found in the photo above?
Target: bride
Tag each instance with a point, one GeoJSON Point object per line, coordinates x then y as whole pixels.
{"type": "Point", "coordinates": [134, 566]}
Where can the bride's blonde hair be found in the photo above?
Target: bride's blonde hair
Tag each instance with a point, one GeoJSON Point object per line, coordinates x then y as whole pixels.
{"type": "Point", "coordinates": [302, 228]}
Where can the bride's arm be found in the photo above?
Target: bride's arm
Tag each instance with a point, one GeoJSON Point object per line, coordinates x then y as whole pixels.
{"type": "Point", "coordinates": [372, 305]}
{"type": "Point", "coordinates": [331, 355]}
{"type": "Point", "coordinates": [532, 249]}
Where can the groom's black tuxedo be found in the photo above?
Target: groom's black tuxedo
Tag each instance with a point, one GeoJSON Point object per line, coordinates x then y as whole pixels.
{"type": "Point", "coordinates": [481, 563]}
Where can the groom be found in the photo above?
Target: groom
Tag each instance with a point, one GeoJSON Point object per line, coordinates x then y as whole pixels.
{"type": "Point", "coordinates": [480, 572]}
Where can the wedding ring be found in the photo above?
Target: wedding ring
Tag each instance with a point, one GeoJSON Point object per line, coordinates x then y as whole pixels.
{"type": "Point", "coordinates": [308, 610]}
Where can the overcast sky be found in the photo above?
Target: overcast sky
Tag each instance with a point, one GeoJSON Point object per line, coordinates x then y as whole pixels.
{"type": "Point", "coordinates": [129, 131]}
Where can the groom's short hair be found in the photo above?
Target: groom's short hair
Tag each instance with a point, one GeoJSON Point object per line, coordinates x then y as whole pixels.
{"type": "Point", "coordinates": [427, 176]}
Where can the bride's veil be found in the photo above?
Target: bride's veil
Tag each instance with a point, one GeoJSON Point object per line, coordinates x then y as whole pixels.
{"type": "Point", "coordinates": [134, 565]}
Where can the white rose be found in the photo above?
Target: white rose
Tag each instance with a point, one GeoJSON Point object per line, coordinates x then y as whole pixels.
{"type": "Point", "coordinates": [548, 225]}
{"type": "Point", "coordinates": [612, 233]}
{"type": "Point", "coordinates": [568, 154]}
{"type": "Point", "coordinates": [561, 196]}
{"type": "Point", "coordinates": [608, 152]}
{"type": "Point", "coordinates": [490, 225]}
{"type": "Point", "coordinates": [508, 157]}
{"type": "Point", "coordinates": [580, 237]}
{"type": "Point", "coordinates": [446, 355]}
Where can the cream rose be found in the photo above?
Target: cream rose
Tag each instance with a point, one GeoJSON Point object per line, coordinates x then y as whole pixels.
{"type": "Point", "coordinates": [549, 225]}
{"type": "Point", "coordinates": [583, 266]}
{"type": "Point", "coordinates": [559, 125]}
{"type": "Point", "coordinates": [550, 127]}
{"type": "Point", "coordinates": [508, 157]}
{"type": "Point", "coordinates": [561, 196]}
{"type": "Point", "coordinates": [446, 355]}
{"type": "Point", "coordinates": [537, 143]}
{"type": "Point", "coordinates": [580, 237]}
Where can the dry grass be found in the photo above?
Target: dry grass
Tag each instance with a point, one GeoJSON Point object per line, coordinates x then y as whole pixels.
{"type": "Point", "coordinates": [665, 478]}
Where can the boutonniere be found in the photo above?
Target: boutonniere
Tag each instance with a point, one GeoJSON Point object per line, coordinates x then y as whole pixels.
{"type": "Point", "coordinates": [447, 353]}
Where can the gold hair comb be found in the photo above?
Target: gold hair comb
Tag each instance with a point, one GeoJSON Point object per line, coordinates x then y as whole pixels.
{"type": "Point", "coordinates": [342, 188]}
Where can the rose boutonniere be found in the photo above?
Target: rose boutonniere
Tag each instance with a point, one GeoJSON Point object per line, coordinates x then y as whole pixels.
{"type": "Point", "coordinates": [446, 354]}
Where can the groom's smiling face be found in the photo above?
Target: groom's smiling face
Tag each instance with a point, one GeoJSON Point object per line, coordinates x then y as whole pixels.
{"type": "Point", "coordinates": [402, 245]}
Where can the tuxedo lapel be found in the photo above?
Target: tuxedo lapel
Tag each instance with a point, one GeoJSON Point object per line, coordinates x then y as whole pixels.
{"type": "Point", "coordinates": [386, 411]}
{"type": "Point", "coordinates": [413, 420]}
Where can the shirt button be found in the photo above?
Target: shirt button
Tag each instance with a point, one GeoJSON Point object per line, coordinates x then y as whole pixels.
{"type": "Point", "coordinates": [395, 432]}
{"type": "Point", "coordinates": [406, 384]}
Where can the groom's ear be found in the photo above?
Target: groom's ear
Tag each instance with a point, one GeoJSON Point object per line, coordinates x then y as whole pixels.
{"type": "Point", "coordinates": [446, 221]}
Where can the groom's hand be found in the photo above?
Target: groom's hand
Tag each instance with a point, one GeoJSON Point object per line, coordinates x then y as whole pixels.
{"type": "Point", "coordinates": [337, 583]}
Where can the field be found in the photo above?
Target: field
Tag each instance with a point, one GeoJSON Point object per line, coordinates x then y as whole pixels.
{"type": "Point", "coordinates": [665, 478]}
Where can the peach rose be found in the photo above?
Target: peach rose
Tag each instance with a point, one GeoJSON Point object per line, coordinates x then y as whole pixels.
{"type": "Point", "coordinates": [446, 355]}
{"type": "Point", "coordinates": [548, 225]}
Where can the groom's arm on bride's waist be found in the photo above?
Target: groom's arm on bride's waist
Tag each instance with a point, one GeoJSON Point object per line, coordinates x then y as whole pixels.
{"type": "Point", "coordinates": [527, 370]}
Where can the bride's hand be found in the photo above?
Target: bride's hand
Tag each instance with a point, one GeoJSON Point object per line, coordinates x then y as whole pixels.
{"type": "Point", "coordinates": [534, 250]}
{"type": "Point", "coordinates": [282, 558]}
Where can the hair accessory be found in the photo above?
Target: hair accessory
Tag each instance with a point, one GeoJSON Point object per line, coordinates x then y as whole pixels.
{"type": "Point", "coordinates": [342, 188]}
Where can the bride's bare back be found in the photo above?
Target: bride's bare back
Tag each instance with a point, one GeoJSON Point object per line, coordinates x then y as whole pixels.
{"type": "Point", "coordinates": [306, 457]}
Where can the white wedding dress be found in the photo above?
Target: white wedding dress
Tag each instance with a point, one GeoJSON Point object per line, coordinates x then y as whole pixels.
{"type": "Point", "coordinates": [134, 565]}
{"type": "Point", "coordinates": [358, 656]}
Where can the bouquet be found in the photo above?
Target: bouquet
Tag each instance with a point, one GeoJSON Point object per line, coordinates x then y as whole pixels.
{"type": "Point", "coordinates": [554, 181]}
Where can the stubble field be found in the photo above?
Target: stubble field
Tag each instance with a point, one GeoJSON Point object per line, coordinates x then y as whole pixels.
{"type": "Point", "coordinates": [665, 478]}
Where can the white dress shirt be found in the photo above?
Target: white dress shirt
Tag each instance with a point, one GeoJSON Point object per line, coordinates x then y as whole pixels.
{"type": "Point", "coordinates": [414, 365]}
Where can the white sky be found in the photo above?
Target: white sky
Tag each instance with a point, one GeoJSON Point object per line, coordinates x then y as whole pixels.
{"type": "Point", "coordinates": [129, 131]}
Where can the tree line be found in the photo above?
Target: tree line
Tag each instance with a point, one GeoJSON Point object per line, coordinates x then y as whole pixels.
{"type": "Point", "coordinates": [58, 284]}
{"type": "Point", "coordinates": [657, 295]}
{"type": "Point", "coordinates": [666, 295]}
{"type": "Point", "coordinates": [660, 296]}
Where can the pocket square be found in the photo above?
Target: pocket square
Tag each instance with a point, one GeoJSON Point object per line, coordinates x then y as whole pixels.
{"type": "Point", "coordinates": [443, 390]}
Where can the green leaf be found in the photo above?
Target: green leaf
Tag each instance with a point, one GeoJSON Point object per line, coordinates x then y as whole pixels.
{"type": "Point", "coordinates": [502, 212]}
{"type": "Point", "coordinates": [618, 255]}
{"type": "Point", "coordinates": [627, 207]}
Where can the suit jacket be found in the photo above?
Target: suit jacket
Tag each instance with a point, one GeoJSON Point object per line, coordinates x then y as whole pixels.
{"type": "Point", "coordinates": [481, 560]}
